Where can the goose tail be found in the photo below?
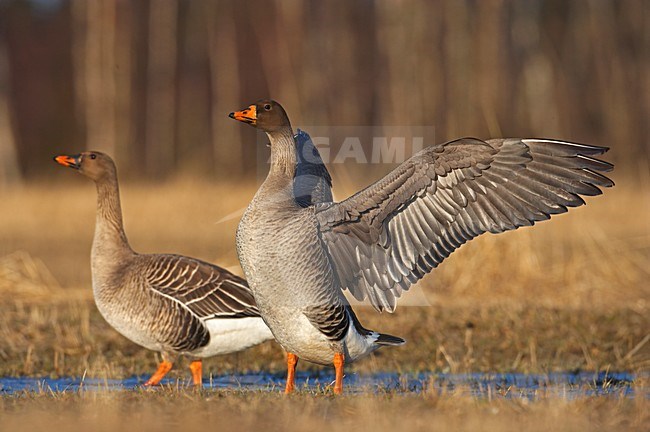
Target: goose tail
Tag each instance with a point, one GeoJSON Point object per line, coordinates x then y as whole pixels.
{"type": "Point", "coordinates": [388, 340]}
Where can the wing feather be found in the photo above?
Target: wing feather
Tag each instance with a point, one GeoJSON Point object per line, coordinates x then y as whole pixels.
{"type": "Point", "coordinates": [389, 235]}
{"type": "Point", "coordinates": [312, 183]}
{"type": "Point", "coordinates": [206, 290]}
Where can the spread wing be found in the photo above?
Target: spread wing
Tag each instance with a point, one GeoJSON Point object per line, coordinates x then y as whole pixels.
{"type": "Point", "coordinates": [389, 235]}
{"type": "Point", "coordinates": [204, 289]}
{"type": "Point", "coordinates": [312, 183]}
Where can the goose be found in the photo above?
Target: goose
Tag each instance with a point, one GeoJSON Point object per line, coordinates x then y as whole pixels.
{"type": "Point", "coordinates": [172, 304]}
{"type": "Point", "coordinates": [375, 244]}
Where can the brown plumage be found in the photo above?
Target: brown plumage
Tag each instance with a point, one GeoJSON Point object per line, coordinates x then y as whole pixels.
{"type": "Point", "coordinates": [167, 303]}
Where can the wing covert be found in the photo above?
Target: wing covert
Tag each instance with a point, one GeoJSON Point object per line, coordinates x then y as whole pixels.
{"type": "Point", "coordinates": [206, 290]}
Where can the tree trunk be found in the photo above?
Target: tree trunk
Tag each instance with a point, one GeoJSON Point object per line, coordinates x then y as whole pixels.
{"type": "Point", "coordinates": [94, 62]}
{"type": "Point", "coordinates": [161, 92]}
{"type": "Point", "coordinates": [225, 88]}
{"type": "Point", "coordinates": [9, 170]}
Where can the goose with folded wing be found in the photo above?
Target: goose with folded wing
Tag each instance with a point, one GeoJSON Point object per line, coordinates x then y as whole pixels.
{"type": "Point", "coordinates": [172, 304]}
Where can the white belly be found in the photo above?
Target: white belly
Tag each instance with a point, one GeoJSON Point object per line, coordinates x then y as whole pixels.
{"type": "Point", "coordinates": [232, 335]}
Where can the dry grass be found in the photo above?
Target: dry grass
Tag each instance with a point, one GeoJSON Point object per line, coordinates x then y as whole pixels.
{"type": "Point", "coordinates": [596, 255]}
{"type": "Point", "coordinates": [187, 410]}
{"type": "Point", "coordinates": [70, 339]}
{"type": "Point", "coordinates": [569, 294]}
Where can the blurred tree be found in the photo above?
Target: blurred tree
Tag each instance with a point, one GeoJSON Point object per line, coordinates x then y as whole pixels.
{"type": "Point", "coordinates": [9, 170]}
{"type": "Point", "coordinates": [224, 85]}
{"type": "Point", "coordinates": [37, 40]}
{"type": "Point", "coordinates": [152, 81]}
{"type": "Point", "coordinates": [94, 78]}
{"type": "Point", "coordinates": [160, 130]}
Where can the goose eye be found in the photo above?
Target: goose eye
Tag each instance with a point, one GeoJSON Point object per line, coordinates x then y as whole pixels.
{"type": "Point", "coordinates": [267, 107]}
{"type": "Point", "coordinates": [93, 156]}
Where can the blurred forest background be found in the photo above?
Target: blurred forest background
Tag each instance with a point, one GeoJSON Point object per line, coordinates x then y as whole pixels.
{"type": "Point", "coordinates": [152, 81]}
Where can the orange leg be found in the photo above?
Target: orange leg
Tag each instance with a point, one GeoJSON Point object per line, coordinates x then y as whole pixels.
{"type": "Point", "coordinates": [197, 372]}
{"type": "Point", "coordinates": [292, 361]}
{"type": "Point", "coordinates": [339, 360]}
{"type": "Point", "coordinates": [164, 367]}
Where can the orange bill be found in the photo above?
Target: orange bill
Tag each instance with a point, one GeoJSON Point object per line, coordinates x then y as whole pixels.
{"type": "Point", "coordinates": [248, 115]}
{"type": "Point", "coordinates": [68, 161]}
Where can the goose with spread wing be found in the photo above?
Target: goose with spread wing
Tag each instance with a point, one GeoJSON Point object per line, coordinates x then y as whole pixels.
{"type": "Point", "coordinates": [377, 243]}
{"type": "Point", "coordinates": [167, 303]}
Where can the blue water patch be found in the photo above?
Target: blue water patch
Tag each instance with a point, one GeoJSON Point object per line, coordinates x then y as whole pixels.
{"type": "Point", "coordinates": [480, 385]}
{"type": "Point", "coordinates": [564, 385]}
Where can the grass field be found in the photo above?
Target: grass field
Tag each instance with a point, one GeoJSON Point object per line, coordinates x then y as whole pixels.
{"type": "Point", "coordinates": [569, 294]}
{"type": "Point", "coordinates": [188, 410]}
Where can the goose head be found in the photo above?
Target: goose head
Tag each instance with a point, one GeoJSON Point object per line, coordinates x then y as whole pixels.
{"type": "Point", "coordinates": [93, 164]}
{"type": "Point", "coordinates": [265, 114]}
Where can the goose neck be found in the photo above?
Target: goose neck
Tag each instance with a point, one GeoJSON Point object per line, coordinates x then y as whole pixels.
{"type": "Point", "coordinates": [109, 227]}
{"type": "Point", "coordinates": [283, 153]}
